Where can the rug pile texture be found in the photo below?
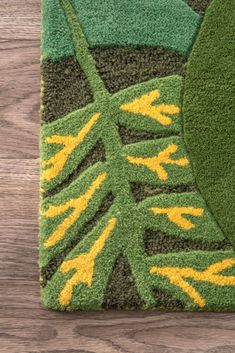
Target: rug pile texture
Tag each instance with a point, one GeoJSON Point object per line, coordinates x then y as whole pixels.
{"type": "Point", "coordinates": [137, 155]}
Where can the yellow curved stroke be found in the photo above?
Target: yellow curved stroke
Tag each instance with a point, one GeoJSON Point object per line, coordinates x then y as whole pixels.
{"type": "Point", "coordinates": [84, 265]}
{"type": "Point", "coordinates": [155, 163]}
{"type": "Point", "coordinates": [79, 205]}
{"type": "Point", "coordinates": [176, 276]}
{"type": "Point", "coordinates": [174, 214]}
{"type": "Point", "coordinates": [58, 161]}
{"type": "Point", "coordinates": [144, 106]}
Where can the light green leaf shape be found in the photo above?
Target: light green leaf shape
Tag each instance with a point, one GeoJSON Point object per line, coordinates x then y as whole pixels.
{"type": "Point", "coordinates": [75, 191]}
{"type": "Point", "coordinates": [212, 296]}
{"type": "Point", "coordinates": [195, 221]}
{"type": "Point", "coordinates": [170, 24]}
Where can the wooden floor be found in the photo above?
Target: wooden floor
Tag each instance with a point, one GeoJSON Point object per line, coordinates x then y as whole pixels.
{"type": "Point", "coordinates": [25, 326]}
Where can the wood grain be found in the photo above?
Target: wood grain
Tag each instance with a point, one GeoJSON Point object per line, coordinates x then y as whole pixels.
{"type": "Point", "coordinates": [25, 326]}
{"type": "Point", "coordinates": [19, 98]}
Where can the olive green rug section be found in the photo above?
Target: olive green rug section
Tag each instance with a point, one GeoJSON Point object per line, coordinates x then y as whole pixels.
{"type": "Point", "coordinates": [67, 89]}
{"type": "Point", "coordinates": [123, 224]}
{"type": "Point", "coordinates": [209, 108]}
{"type": "Point", "coordinates": [199, 6]}
{"type": "Point", "coordinates": [170, 24]}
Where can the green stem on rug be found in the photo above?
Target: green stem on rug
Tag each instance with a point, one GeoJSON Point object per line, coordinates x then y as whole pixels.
{"type": "Point", "coordinates": [112, 143]}
{"type": "Point", "coordinates": [83, 55]}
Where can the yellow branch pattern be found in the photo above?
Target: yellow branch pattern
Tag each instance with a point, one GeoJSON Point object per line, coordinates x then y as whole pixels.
{"type": "Point", "coordinates": [144, 106]}
{"type": "Point", "coordinates": [177, 277]}
{"type": "Point", "coordinates": [57, 162]}
{"type": "Point", "coordinates": [155, 163]}
{"type": "Point", "coordinates": [78, 205]}
{"type": "Point", "coordinates": [174, 214]}
{"type": "Point", "coordinates": [84, 265]}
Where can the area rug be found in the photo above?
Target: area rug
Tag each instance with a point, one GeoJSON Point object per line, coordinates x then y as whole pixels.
{"type": "Point", "coordinates": [137, 146]}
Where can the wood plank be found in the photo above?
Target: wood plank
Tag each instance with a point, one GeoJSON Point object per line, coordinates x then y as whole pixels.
{"type": "Point", "coordinates": [25, 28]}
{"type": "Point", "coordinates": [19, 99]}
{"type": "Point", "coordinates": [18, 8]}
{"type": "Point", "coordinates": [19, 20]}
{"type": "Point", "coordinates": [19, 181]}
{"type": "Point", "coordinates": [27, 327]}
{"type": "Point", "coordinates": [19, 78]}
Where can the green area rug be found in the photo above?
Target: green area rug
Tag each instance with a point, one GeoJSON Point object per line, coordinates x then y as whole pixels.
{"type": "Point", "coordinates": [137, 155]}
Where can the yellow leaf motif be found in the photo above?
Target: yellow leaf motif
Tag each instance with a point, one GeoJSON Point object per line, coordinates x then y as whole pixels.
{"type": "Point", "coordinates": [155, 163]}
{"type": "Point", "coordinates": [57, 162]}
{"type": "Point", "coordinates": [84, 265]}
{"type": "Point", "coordinates": [174, 214]}
{"type": "Point", "coordinates": [177, 277]}
{"type": "Point", "coordinates": [144, 106]}
{"type": "Point", "coordinates": [79, 205]}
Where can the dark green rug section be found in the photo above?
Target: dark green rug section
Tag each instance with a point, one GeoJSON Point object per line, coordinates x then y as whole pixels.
{"type": "Point", "coordinates": [157, 242]}
{"type": "Point", "coordinates": [66, 87]}
{"type": "Point", "coordinates": [121, 292]}
{"type": "Point", "coordinates": [208, 109]}
{"type": "Point", "coordinates": [165, 301]}
{"type": "Point", "coordinates": [198, 5]}
{"type": "Point", "coordinates": [120, 68]}
{"type": "Point", "coordinates": [170, 24]}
